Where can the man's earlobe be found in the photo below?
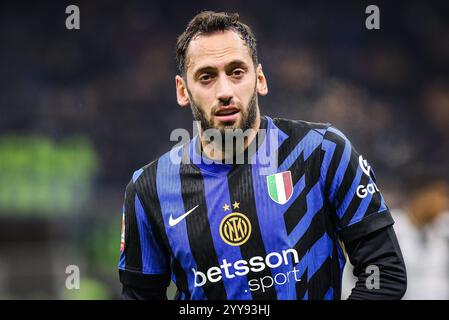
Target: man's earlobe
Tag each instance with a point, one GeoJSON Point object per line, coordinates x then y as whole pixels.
{"type": "Point", "coordinates": [181, 92]}
{"type": "Point", "coordinates": [262, 87]}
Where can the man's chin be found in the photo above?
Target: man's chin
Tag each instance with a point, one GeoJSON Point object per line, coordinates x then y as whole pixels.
{"type": "Point", "coordinates": [222, 126]}
{"type": "Point", "coordinates": [230, 124]}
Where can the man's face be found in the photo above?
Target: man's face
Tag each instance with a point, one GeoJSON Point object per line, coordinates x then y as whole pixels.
{"type": "Point", "coordinates": [221, 82]}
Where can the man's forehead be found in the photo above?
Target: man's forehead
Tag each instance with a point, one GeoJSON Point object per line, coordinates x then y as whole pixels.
{"type": "Point", "coordinates": [216, 49]}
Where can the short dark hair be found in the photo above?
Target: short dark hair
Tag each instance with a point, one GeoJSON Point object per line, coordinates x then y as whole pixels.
{"type": "Point", "coordinates": [207, 22]}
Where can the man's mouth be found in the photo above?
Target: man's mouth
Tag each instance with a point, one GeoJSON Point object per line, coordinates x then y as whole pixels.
{"type": "Point", "coordinates": [227, 114]}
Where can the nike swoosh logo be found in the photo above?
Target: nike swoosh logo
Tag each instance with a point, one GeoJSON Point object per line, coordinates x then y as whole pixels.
{"type": "Point", "coordinates": [173, 222]}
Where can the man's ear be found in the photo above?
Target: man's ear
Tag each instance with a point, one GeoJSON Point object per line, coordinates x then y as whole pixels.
{"type": "Point", "coordinates": [262, 87]}
{"type": "Point", "coordinates": [182, 96]}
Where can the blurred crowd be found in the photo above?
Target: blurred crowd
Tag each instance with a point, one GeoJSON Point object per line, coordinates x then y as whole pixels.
{"type": "Point", "coordinates": [112, 82]}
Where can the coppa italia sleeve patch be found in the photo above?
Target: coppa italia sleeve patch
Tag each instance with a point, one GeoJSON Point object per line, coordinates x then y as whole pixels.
{"type": "Point", "coordinates": [122, 238]}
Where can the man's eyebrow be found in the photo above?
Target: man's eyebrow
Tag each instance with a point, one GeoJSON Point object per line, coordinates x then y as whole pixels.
{"type": "Point", "coordinates": [230, 65]}
{"type": "Point", "coordinates": [204, 69]}
{"type": "Point", "coordinates": [236, 63]}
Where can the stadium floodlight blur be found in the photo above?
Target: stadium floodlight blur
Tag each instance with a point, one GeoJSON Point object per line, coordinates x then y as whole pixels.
{"type": "Point", "coordinates": [39, 177]}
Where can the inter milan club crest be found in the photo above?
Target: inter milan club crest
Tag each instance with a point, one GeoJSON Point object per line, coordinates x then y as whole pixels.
{"type": "Point", "coordinates": [280, 186]}
{"type": "Point", "coordinates": [235, 228]}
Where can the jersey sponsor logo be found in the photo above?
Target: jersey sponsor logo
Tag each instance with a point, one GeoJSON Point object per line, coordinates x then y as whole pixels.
{"type": "Point", "coordinates": [235, 229]}
{"type": "Point", "coordinates": [280, 187]}
{"type": "Point", "coordinates": [363, 191]}
{"type": "Point", "coordinates": [122, 238]}
{"type": "Point", "coordinates": [364, 165]}
{"type": "Point", "coordinates": [371, 188]}
{"type": "Point", "coordinates": [241, 268]}
{"type": "Point", "coordinates": [173, 222]}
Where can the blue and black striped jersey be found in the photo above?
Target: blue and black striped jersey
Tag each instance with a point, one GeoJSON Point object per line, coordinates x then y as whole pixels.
{"type": "Point", "coordinates": [252, 230]}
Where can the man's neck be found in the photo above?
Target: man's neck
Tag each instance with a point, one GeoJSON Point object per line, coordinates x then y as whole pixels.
{"type": "Point", "coordinates": [214, 151]}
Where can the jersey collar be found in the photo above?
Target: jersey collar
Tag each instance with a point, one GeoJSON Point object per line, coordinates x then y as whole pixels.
{"type": "Point", "coordinates": [217, 168]}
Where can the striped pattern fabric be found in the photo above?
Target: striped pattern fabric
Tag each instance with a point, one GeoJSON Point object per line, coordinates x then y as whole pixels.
{"type": "Point", "coordinates": [298, 215]}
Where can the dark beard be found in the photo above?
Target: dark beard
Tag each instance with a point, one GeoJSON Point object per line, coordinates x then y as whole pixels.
{"type": "Point", "coordinates": [249, 116]}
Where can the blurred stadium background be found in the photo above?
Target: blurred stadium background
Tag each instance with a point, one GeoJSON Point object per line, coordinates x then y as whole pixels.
{"type": "Point", "coordinates": [80, 110]}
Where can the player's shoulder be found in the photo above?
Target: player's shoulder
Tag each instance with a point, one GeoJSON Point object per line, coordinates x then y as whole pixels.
{"type": "Point", "coordinates": [293, 127]}
{"type": "Point", "coordinates": [140, 175]}
{"type": "Point", "coordinates": [321, 130]}
{"type": "Point", "coordinates": [142, 180]}
{"type": "Point", "coordinates": [149, 171]}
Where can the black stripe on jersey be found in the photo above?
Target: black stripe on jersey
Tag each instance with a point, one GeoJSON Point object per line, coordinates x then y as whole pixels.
{"type": "Point", "coordinates": [318, 285]}
{"type": "Point", "coordinates": [133, 254]}
{"type": "Point", "coordinates": [354, 204]}
{"type": "Point", "coordinates": [301, 286]}
{"type": "Point", "coordinates": [348, 177]}
{"type": "Point", "coordinates": [374, 205]}
{"type": "Point", "coordinates": [315, 231]}
{"type": "Point", "coordinates": [336, 159]}
{"type": "Point", "coordinates": [311, 168]}
{"type": "Point", "coordinates": [319, 225]}
{"type": "Point", "coordinates": [296, 131]}
{"type": "Point", "coordinates": [312, 174]}
{"type": "Point", "coordinates": [241, 189]}
{"type": "Point", "coordinates": [198, 228]}
{"type": "Point", "coordinates": [147, 187]}
{"type": "Point", "coordinates": [336, 271]}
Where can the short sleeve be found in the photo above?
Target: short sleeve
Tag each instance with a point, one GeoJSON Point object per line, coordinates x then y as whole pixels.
{"type": "Point", "coordinates": [143, 262]}
{"type": "Point", "coordinates": [349, 183]}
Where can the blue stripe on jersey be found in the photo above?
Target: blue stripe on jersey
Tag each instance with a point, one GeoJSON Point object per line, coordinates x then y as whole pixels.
{"type": "Point", "coordinates": [319, 252]}
{"type": "Point", "coordinates": [314, 201]}
{"type": "Point", "coordinates": [341, 260]}
{"type": "Point", "coordinates": [329, 294]}
{"type": "Point", "coordinates": [122, 261]}
{"type": "Point", "coordinates": [266, 155]}
{"type": "Point", "coordinates": [321, 131]}
{"type": "Point", "coordinates": [152, 256]}
{"type": "Point", "coordinates": [361, 210]}
{"type": "Point", "coordinates": [314, 259]}
{"type": "Point", "coordinates": [273, 232]}
{"type": "Point", "coordinates": [173, 275]}
{"type": "Point", "coordinates": [342, 166]}
{"type": "Point", "coordinates": [306, 296]}
{"type": "Point", "coordinates": [137, 174]}
{"type": "Point", "coordinates": [383, 206]}
{"type": "Point", "coordinates": [168, 184]}
{"type": "Point", "coordinates": [272, 129]}
{"type": "Point", "coordinates": [307, 144]}
{"type": "Point", "coordinates": [217, 194]}
{"type": "Point", "coordinates": [350, 194]}
{"type": "Point", "coordinates": [301, 266]}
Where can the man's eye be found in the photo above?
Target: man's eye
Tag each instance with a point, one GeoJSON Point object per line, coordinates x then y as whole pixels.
{"type": "Point", "coordinates": [205, 77]}
{"type": "Point", "coordinates": [237, 73]}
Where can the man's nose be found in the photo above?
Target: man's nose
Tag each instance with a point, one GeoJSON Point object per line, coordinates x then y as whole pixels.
{"type": "Point", "coordinates": [224, 90]}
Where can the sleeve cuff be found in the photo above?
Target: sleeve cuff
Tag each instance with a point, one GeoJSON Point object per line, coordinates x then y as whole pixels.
{"type": "Point", "coordinates": [144, 281]}
{"type": "Point", "coordinates": [366, 226]}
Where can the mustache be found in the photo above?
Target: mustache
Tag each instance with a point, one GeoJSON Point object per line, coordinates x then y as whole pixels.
{"type": "Point", "coordinates": [249, 112]}
{"type": "Point", "coordinates": [221, 104]}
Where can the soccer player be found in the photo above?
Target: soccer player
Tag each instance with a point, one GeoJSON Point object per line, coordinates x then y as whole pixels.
{"type": "Point", "coordinates": [223, 229]}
